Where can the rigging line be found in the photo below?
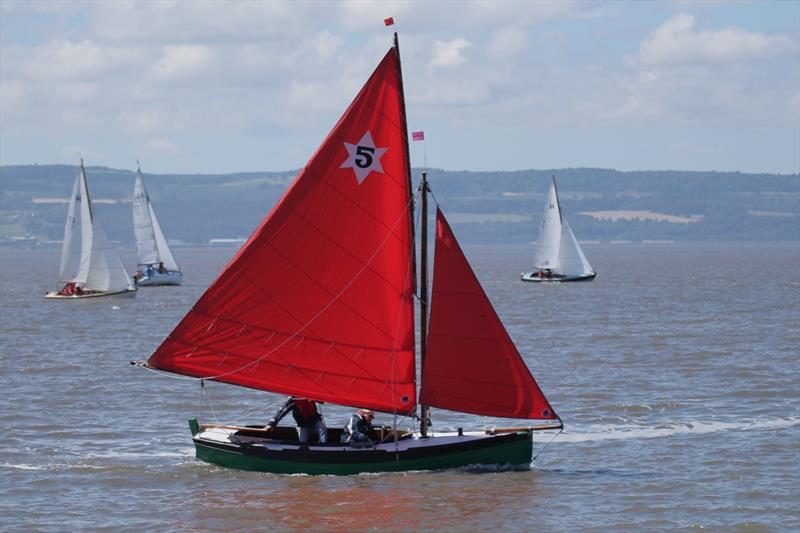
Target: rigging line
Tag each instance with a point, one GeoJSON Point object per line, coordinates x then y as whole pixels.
{"type": "Point", "coordinates": [435, 200]}
{"type": "Point", "coordinates": [548, 444]}
{"type": "Point", "coordinates": [164, 373]}
{"type": "Point", "coordinates": [326, 306]}
{"type": "Point", "coordinates": [254, 413]}
{"type": "Point", "coordinates": [209, 402]}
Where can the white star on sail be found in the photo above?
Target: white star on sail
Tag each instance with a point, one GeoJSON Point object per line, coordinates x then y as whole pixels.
{"type": "Point", "coordinates": [364, 157]}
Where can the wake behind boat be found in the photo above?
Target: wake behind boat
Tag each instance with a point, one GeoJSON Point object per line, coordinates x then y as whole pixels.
{"type": "Point", "coordinates": [90, 266]}
{"type": "Point", "coordinates": [157, 265]}
{"type": "Point", "coordinates": [558, 255]}
{"type": "Point", "coordinates": [319, 304]}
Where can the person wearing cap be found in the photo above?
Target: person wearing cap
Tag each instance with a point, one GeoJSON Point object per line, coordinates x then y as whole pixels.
{"type": "Point", "coordinates": [358, 429]}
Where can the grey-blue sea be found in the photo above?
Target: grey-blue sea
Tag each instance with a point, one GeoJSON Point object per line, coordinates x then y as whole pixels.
{"type": "Point", "coordinates": [676, 372]}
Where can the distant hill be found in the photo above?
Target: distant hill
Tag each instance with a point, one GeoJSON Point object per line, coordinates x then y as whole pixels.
{"type": "Point", "coordinates": [601, 204]}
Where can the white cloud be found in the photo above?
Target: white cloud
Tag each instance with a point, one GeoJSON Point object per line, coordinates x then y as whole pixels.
{"type": "Point", "coordinates": [495, 12]}
{"type": "Point", "coordinates": [506, 43]}
{"type": "Point", "coordinates": [326, 44]}
{"type": "Point", "coordinates": [12, 95]}
{"type": "Point", "coordinates": [184, 63]}
{"type": "Point", "coordinates": [167, 21]}
{"type": "Point", "coordinates": [271, 77]}
{"type": "Point", "coordinates": [677, 42]}
{"type": "Point", "coordinates": [696, 76]}
{"type": "Point", "coordinates": [449, 53]}
{"type": "Point", "coordinates": [71, 61]}
{"type": "Point", "coordinates": [448, 93]}
{"type": "Point", "coordinates": [313, 94]}
{"type": "Point", "coordinates": [75, 92]}
{"type": "Point", "coordinates": [160, 146]}
{"type": "Point", "coordinates": [143, 121]}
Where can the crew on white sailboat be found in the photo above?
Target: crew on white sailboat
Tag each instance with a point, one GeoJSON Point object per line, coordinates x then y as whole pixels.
{"type": "Point", "coordinates": [71, 289]}
{"type": "Point", "coordinates": [149, 272]}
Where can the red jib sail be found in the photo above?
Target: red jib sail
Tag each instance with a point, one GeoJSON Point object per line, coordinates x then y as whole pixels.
{"type": "Point", "coordinates": [319, 302]}
{"type": "Point", "coordinates": [471, 365]}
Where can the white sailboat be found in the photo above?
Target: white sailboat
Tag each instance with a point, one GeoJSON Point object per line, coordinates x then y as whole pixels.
{"type": "Point", "coordinates": [90, 267]}
{"type": "Point", "coordinates": [157, 266]}
{"type": "Point", "coordinates": [558, 255]}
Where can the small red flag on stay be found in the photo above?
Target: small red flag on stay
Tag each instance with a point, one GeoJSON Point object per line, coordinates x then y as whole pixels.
{"type": "Point", "coordinates": [417, 135]}
{"type": "Point", "coordinates": [388, 22]}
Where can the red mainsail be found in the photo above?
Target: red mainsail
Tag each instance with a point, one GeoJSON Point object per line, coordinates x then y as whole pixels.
{"type": "Point", "coordinates": [471, 365]}
{"type": "Point", "coordinates": [319, 302]}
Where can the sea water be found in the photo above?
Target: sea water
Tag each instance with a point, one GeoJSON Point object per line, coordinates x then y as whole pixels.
{"type": "Point", "coordinates": [676, 373]}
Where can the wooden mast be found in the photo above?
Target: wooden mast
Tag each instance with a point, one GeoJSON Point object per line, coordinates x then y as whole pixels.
{"type": "Point", "coordinates": [423, 289]}
{"type": "Point", "coordinates": [423, 296]}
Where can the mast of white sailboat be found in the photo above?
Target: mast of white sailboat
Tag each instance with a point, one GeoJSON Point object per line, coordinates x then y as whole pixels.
{"type": "Point", "coordinates": [423, 289]}
{"type": "Point", "coordinates": [139, 172]}
{"type": "Point", "coordinates": [558, 202]}
{"type": "Point", "coordinates": [86, 191]}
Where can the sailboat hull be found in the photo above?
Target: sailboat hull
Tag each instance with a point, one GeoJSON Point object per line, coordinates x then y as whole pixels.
{"type": "Point", "coordinates": [511, 450]}
{"type": "Point", "coordinates": [128, 293]}
{"type": "Point", "coordinates": [158, 278]}
{"type": "Point", "coordinates": [534, 276]}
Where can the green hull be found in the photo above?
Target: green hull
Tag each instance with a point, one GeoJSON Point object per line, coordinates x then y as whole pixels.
{"type": "Point", "coordinates": [510, 450]}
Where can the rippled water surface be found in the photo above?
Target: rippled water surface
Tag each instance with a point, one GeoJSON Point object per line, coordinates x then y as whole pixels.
{"type": "Point", "coordinates": [676, 372]}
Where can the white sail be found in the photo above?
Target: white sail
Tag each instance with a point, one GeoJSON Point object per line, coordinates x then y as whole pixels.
{"type": "Point", "coordinates": [71, 249]}
{"type": "Point", "coordinates": [548, 244]}
{"type": "Point", "coordinates": [558, 255]}
{"type": "Point", "coordinates": [571, 260]}
{"type": "Point", "coordinates": [164, 253]}
{"type": "Point", "coordinates": [150, 241]}
{"type": "Point", "coordinates": [76, 252]}
{"type": "Point", "coordinates": [87, 256]}
{"type": "Point", "coordinates": [106, 273]}
{"type": "Point", "coordinates": [143, 224]}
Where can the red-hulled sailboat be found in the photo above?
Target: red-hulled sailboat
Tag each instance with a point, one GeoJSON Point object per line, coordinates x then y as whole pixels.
{"type": "Point", "coordinates": [318, 304]}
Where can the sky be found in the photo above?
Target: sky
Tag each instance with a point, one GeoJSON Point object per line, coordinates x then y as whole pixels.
{"type": "Point", "coordinates": [207, 86]}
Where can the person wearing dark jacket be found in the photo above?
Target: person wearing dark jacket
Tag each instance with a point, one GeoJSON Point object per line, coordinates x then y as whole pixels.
{"type": "Point", "coordinates": [307, 417]}
{"type": "Point", "coordinates": [358, 429]}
